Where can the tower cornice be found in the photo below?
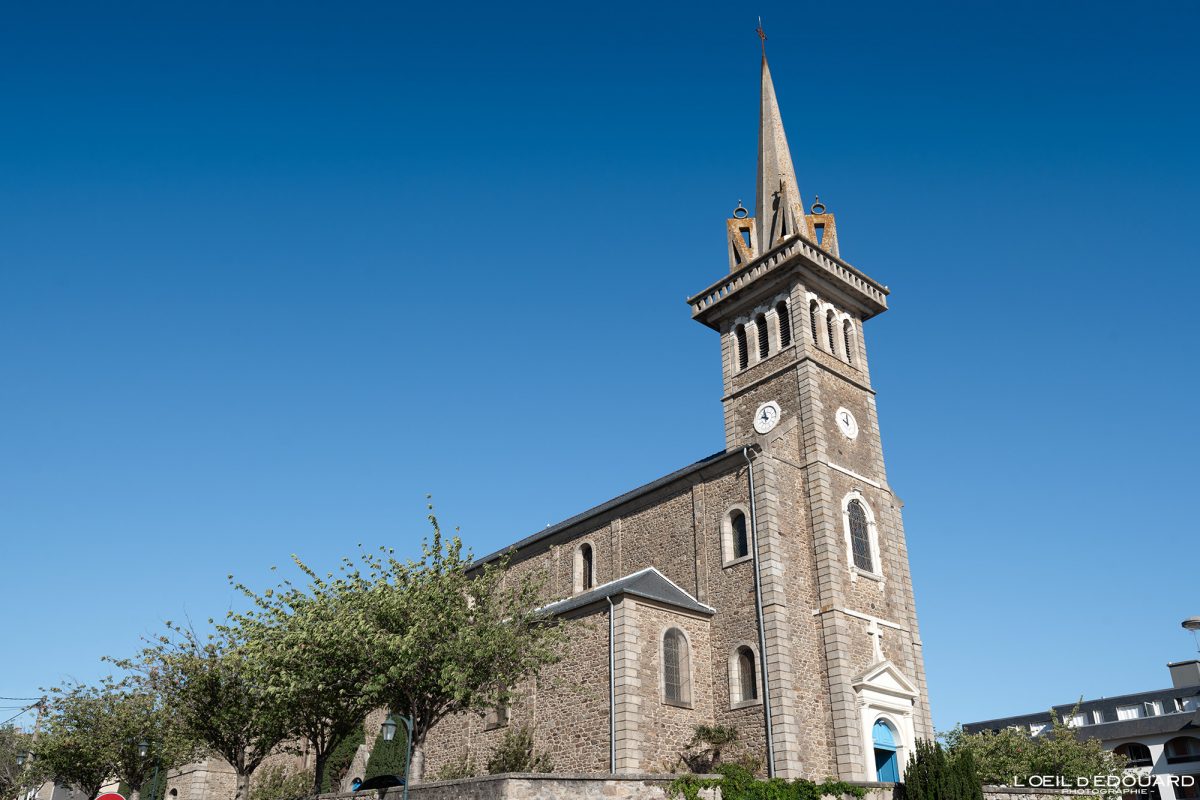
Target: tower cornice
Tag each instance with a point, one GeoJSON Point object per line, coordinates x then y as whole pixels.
{"type": "Point", "coordinates": [709, 304]}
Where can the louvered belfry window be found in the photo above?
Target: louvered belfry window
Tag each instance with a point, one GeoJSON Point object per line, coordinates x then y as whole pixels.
{"type": "Point", "coordinates": [785, 324]}
{"type": "Point", "coordinates": [829, 330]}
{"type": "Point", "coordinates": [812, 320]}
{"type": "Point", "coordinates": [849, 339]}
{"type": "Point", "coordinates": [676, 669]}
{"type": "Point", "coordinates": [764, 343]}
{"type": "Point", "coordinates": [743, 354]}
{"type": "Point", "coordinates": [860, 537]}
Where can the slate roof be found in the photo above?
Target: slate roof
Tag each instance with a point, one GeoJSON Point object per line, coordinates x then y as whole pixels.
{"type": "Point", "coordinates": [648, 583]}
{"type": "Point", "coordinates": [715, 458]}
{"type": "Point", "coordinates": [1168, 722]}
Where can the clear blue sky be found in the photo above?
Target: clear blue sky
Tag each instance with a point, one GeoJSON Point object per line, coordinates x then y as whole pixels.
{"type": "Point", "coordinates": [271, 272]}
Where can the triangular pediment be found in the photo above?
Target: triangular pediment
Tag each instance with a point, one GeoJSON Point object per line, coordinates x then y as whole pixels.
{"type": "Point", "coordinates": [887, 678]}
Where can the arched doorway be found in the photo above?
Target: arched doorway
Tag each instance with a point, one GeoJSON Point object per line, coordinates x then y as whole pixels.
{"type": "Point", "coordinates": [887, 765]}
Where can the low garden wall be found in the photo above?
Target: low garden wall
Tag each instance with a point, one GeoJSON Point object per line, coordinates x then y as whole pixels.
{"type": "Point", "coordinates": [551, 786]}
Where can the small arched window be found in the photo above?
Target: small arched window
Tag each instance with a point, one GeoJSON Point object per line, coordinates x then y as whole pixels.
{"type": "Point", "coordinates": [860, 536]}
{"type": "Point", "coordinates": [785, 323]}
{"type": "Point", "coordinates": [584, 572]}
{"type": "Point", "coordinates": [829, 331]}
{"type": "Point", "coordinates": [1138, 754]}
{"type": "Point", "coordinates": [814, 309]}
{"type": "Point", "coordinates": [743, 353]}
{"type": "Point", "coordinates": [848, 340]}
{"type": "Point", "coordinates": [587, 567]}
{"type": "Point", "coordinates": [677, 668]}
{"type": "Point", "coordinates": [747, 681]}
{"type": "Point", "coordinates": [764, 342]}
{"type": "Point", "coordinates": [741, 539]}
{"type": "Point", "coordinates": [1183, 750]}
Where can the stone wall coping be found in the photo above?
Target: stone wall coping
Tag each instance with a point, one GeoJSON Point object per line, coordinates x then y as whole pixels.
{"type": "Point", "coordinates": [643, 777]}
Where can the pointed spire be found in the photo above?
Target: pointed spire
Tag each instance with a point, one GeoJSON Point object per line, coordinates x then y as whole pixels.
{"type": "Point", "coordinates": [778, 208]}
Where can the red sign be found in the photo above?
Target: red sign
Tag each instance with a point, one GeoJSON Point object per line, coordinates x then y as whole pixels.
{"type": "Point", "coordinates": [110, 796]}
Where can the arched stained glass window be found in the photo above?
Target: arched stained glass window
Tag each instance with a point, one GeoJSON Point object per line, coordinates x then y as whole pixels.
{"type": "Point", "coordinates": [676, 668]}
{"type": "Point", "coordinates": [860, 536]}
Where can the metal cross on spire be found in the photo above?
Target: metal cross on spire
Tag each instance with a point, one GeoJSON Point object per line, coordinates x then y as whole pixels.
{"type": "Point", "coordinates": [762, 35]}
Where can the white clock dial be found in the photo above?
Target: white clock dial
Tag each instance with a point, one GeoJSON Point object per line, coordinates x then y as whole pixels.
{"type": "Point", "coordinates": [847, 423]}
{"type": "Point", "coordinates": [766, 417]}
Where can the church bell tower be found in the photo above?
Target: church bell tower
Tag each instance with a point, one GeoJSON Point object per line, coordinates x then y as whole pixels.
{"type": "Point", "coordinates": [798, 398]}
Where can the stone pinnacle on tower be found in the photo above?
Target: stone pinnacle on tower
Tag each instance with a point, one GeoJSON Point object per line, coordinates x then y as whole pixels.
{"type": "Point", "coordinates": [778, 207]}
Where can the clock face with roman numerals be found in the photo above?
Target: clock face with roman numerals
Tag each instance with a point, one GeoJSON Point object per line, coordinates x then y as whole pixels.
{"type": "Point", "coordinates": [846, 423]}
{"type": "Point", "coordinates": [766, 417]}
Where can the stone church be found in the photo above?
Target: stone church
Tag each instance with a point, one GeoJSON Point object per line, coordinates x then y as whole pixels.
{"type": "Point", "coordinates": [765, 587]}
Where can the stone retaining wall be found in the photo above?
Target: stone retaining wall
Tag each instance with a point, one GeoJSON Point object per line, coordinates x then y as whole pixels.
{"type": "Point", "coordinates": [636, 786]}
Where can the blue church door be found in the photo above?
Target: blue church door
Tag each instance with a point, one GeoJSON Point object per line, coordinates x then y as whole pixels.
{"type": "Point", "coordinates": [886, 767]}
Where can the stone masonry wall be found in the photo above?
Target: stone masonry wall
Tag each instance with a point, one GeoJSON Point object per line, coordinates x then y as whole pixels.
{"type": "Point", "coordinates": [566, 708]}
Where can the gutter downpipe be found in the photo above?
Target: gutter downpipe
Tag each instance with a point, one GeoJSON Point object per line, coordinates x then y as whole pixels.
{"type": "Point", "coordinates": [612, 689]}
{"type": "Point", "coordinates": [762, 631]}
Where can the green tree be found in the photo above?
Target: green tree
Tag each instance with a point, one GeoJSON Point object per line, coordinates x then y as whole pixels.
{"type": "Point", "coordinates": [16, 772]}
{"type": "Point", "coordinates": [514, 753]}
{"type": "Point", "coordinates": [444, 635]}
{"type": "Point", "coordinates": [116, 729]}
{"type": "Point", "coordinates": [142, 735]}
{"type": "Point", "coordinates": [387, 758]}
{"type": "Point", "coordinates": [1014, 754]}
{"type": "Point", "coordinates": [218, 690]}
{"type": "Point", "coordinates": [310, 643]}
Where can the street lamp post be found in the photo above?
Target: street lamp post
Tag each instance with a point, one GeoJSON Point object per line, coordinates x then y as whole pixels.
{"type": "Point", "coordinates": [143, 751]}
{"type": "Point", "coordinates": [1193, 624]}
{"type": "Point", "coordinates": [388, 729]}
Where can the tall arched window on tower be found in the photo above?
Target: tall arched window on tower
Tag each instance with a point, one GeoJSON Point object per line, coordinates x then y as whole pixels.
{"type": "Point", "coordinates": [814, 309]}
{"type": "Point", "coordinates": [829, 330]}
{"type": "Point", "coordinates": [764, 341]}
{"type": "Point", "coordinates": [676, 668]}
{"type": "Point", "coordinates": [743, 353]}
{"type": "Point", "coordinates": [848, 340]}
{"type": "Point", "coordinates": [860, 536]}
{"type": "Point", "coordinates": [741, 539]}
{"type": "Point", "coordinates": [785, 323]}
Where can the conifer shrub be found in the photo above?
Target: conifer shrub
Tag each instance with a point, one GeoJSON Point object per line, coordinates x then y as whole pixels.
{"type": "Point", "coordinates": [340, 760]}
{"type": "Point", "coordinates": [387, 758]}
{"type": "Point", "coordinates": [934, 774]}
